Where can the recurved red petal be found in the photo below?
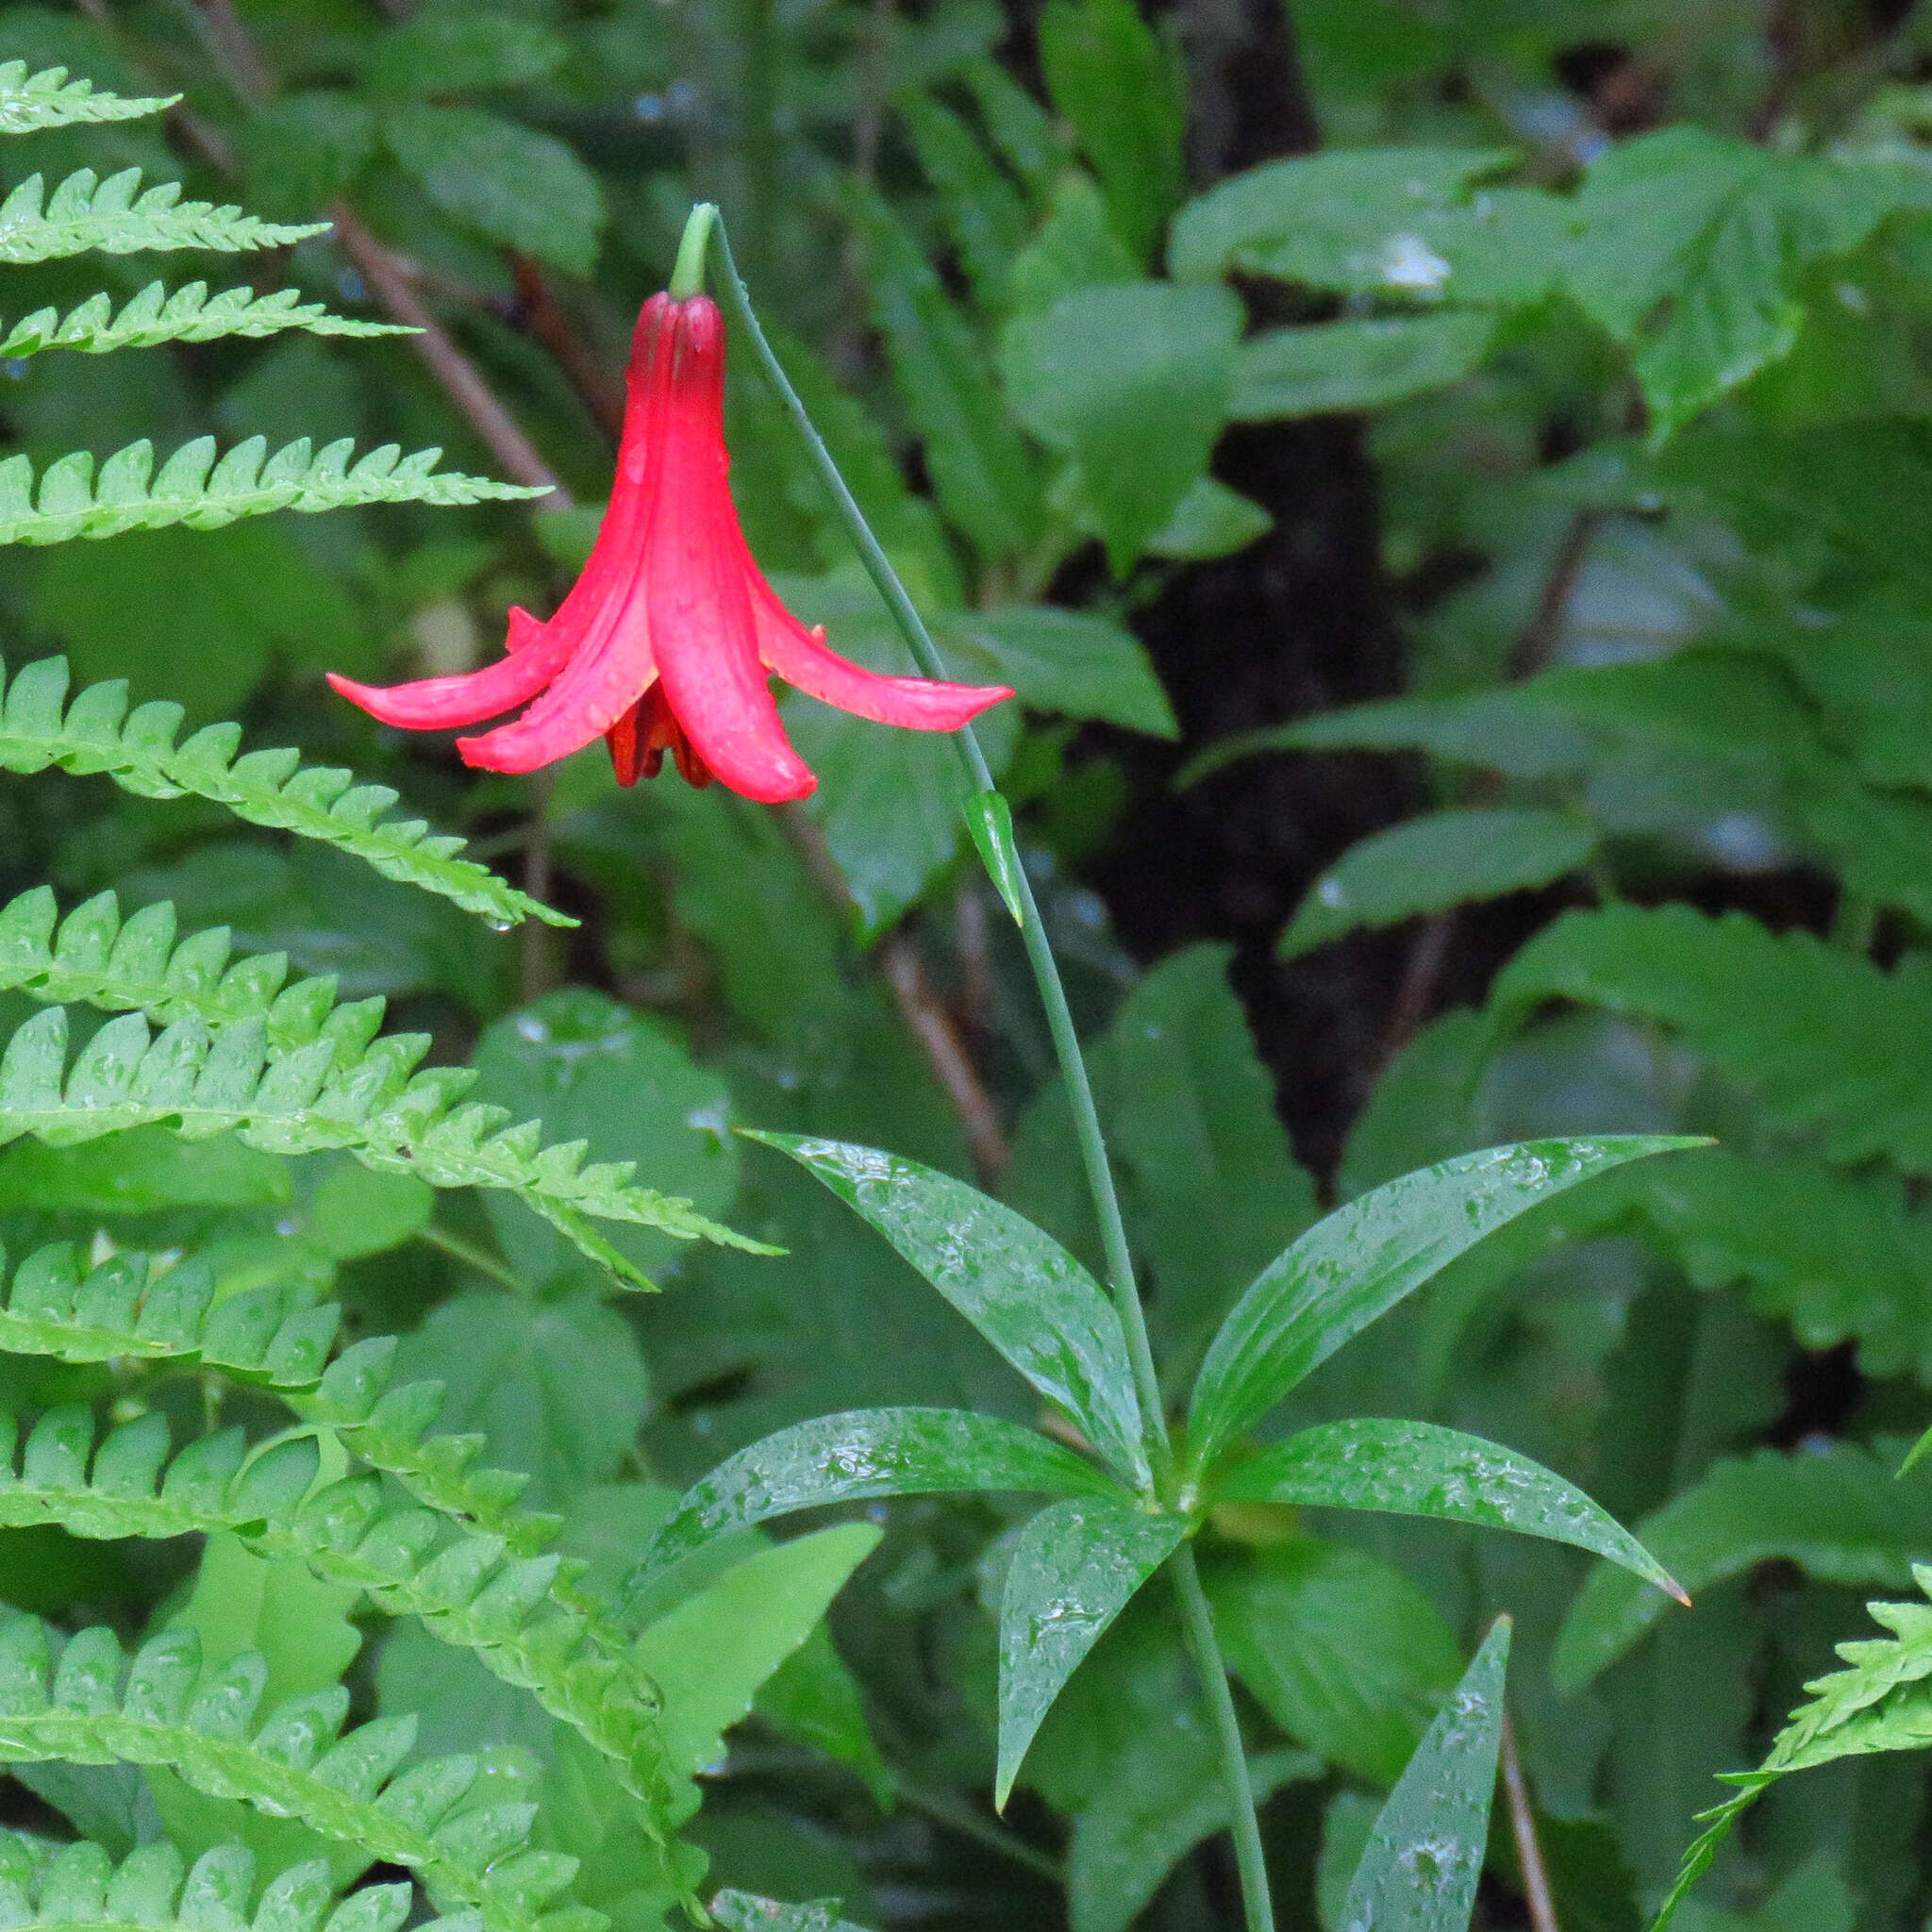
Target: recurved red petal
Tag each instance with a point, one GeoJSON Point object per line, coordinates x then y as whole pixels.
{"type": "Point", "coordinates": [703, 628]}
{"type": "Point", "coordinates": [802, 659]}
{"type": "Point", "coordinates": [610, 662]}
{"type": "Point", "coordinates": [536, 653]}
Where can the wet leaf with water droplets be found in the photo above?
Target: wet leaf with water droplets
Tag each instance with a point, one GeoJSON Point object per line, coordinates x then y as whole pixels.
{"type": "Point", "coordinates": [1419, 1469]}
{"type": "Point", "coordinates": [1012, 1281]}
{"type": "Point", "coordinates": [862, 1452]}
{"type": "Point", "coordinates": [1425, 1854]}
{"type": "Point", "coordinates": [1355, 1265]}
{"type": "Point", "coordinates": [1077, 1565]}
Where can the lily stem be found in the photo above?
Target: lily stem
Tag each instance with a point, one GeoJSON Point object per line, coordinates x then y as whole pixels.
{"type": "Point", "coordinates": [1197, 1620]}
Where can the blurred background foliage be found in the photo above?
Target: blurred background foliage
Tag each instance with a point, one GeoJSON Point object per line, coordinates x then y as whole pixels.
{"type": "Point", "coordinates": [1449, 481]}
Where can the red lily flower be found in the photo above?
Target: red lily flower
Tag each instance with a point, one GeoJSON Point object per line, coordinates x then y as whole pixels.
{"type": "Point", "coordinates": [667, 638]}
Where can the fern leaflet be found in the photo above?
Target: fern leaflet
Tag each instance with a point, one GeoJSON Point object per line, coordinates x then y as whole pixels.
{"type": "Point", "coordinates": [49, 99]}
{"type": "Point", "coordinates": [344, 1089]}
{"type": "Point", "coordinates": [469, 1592]}
{"type": "Point", "coordinates": [80, 1701]}
{"type": "Point", "coordinates": [120, 218]}
{"type": "Point", "coordinates": [1854, 1071]}
{"type": "Point", "coordinates": [1882, 1703]}
{"type": "Point", "coordinates": [44, 1886]}
{"type": "Point", "coordinates": [190, 314]}
{"type": "Point", "coordinates": [195, 489]}
{"type": "Point", "coordinates": [97, 733]}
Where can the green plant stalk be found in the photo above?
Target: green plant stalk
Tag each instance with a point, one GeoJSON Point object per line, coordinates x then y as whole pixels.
{"type": "Point", "coordinates": [1197, 1620]}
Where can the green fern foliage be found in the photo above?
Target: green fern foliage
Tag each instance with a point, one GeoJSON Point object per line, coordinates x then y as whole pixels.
{"type": "Point", "coordinates": [1854, 1074]}
{"type": "Point", "coordinates": [97, 733]}
{"type": "Point", "coordinates": [468, 1588]}
{"type": "Point", "coordinates": [193, 489]}
{"type": "Point", "coordinates": [130, 1307]}
{"type": "Point", "coordinates": [45, 1885]}
{"type": "Point", "coordinates": [190, 314]}
{"type": "Point", "coordinates": [119, 217]}
{"type": "Point", "coordinates": [80, 1700]}
{"type": "Point", "coordinates": [1882, 1702]}
{"type": "Point", "coordinates": [49, 99]}
{"type": "Point", "coordinates": [342, 1087]}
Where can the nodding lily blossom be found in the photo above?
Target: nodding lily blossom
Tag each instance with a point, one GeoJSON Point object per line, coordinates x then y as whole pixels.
{"type": "Point", "coordinates": [667, 639]}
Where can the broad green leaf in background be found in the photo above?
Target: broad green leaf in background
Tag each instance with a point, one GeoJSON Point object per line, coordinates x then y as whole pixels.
{"type": "Point", "coordinates": [711, 1654]}
{"type": "Point", "coordinates": [1133, 382]}
{"type": "Point", "coordinates": [509, 183]}
{"type": "Point", "coordinates": [1838, 1513]}
{"type": "Point", "coordinates": [449, 50]}
{"type": "Point", "coordinates": [1362, 1259]}
{"type": "Point", "coordinates": [300, 150]}
{"type": "Point", "coordinates": [1343, 1651]}
{"type": "Point", "coordinates": [1421, 1469]}
{"type": "Point", "coordinates": [813, 1697]}
{"type": "Point", "coordinates": [982, 209]}
{"type": "Point", "coordinates": [253, 594]}
{"type": "Point", "coordinates": [1328, 367]}
{"type": "Point", "coordinates": [985, 480]}
{"type": "Point", "coordinates": [865, 1453]}
{"type": "Point", "coordinates": [141, 1169]}
{"type": "Point", "coordinates": [1075, 247]}
{"type": "Point", "coordinates": [1398, 222]}
{"type": "Point", "coordinates": [559, 1387]}
{"type": "Point", "coordinates": [1129, 1753]}
{"type": "Point", "coordinates": [1120, 90]}
{"type": "Point", "coordinates": [1707, 229]}
{"type": "Point", "coordinates": [1438, 861]}
{"type": "Point", "coordinates": [1078, 663]}
{"type": "Point", "coordinates": [592, 1069]}
{"type": "Point", "coordinates": [1078, 1564]}
{"type": "Point", "coordinates": [1425, 1853]}
{"type": "Point", "coordinates": [1015, 1284]}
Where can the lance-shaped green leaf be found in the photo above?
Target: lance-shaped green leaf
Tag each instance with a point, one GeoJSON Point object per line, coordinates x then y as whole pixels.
{"type": "Point", "coordinates": [1012, 1281]}
{"type": "Point", "coordinates": [863, 1452]}
{"type": "Point", "coordinates": [1077, 1565]}
{"type": "Point", "coordinates": [1356, 1264]}
{"type": "Point", "coordinates": [1425, 1853]}
{"type": "Point", "coordinates": [1419, 1469]}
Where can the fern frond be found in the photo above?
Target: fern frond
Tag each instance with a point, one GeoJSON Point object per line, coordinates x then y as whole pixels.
{"type": "Point", "coordinates": [49, 99]}
{"type": "Point", "coordinates": [195, 489]}
{"type": "Point", "coordinates": [97, 734]}
{"type": "Point", "coordinates": [120, 218]}
{"type": "Point", "coordinates": [190, 314]}
{"type": "Point", "coordinates": [80, 1701]}
{"type": "Point", "coordinates": [95, 957]}
{"type": "Point", "coordinates": [1852, 1073]}
{"type": "Point", "coordinates": [490, 1588]}
{"type": "Point", "coordinates": [46, 1886]}
{"type": "Point", "coordinates": [467, 1588]}
{"type": "Point", "coordinates": [340, 1088]}
{"type": "Point", "coordinates": [128, 1307]}
{"type": "Point", "coordinates": [1882, 1703]}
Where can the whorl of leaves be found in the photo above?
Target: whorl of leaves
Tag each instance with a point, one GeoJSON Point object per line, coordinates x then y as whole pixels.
{"type": "Point", "coordinates": [119, 217]}
{"type": "Point", "coordinates": [190, 314]}
{"type": "Point", "coordinates": [193, 489]}
{"type": "Point", "coordinates": [49, 99]}
{"type": "Point", "coordinates": [97, 734]}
